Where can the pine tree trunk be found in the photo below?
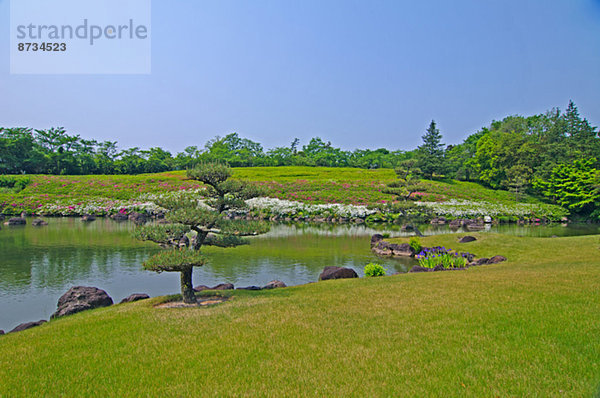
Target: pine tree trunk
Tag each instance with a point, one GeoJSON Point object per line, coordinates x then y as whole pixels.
{"type": "Point", "coordinates": [187, 289]}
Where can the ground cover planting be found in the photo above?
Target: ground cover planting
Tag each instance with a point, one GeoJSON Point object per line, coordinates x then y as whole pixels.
{"type": "Point", "coordinates": [101, 195]}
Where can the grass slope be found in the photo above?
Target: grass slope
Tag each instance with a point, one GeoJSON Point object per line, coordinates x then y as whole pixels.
{"type": "Point", "coordinates": [306, 184]}
{"type": "Point", "coordinates": [527, 327]}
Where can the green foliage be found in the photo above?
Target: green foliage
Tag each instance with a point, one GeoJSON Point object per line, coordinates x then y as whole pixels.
{"type": "Point", "coordinates": [374, 269]}
{"type": "Point", "coordinates": [441, 256]}
{"type": "Point", "coordinates": [574, 186]}
{"type": "Point", "coordinates": [16, 183]}
{"type": "Point", "coordinates": [174, 260]}
{"type": "Point", "coordinates": [415, 244]}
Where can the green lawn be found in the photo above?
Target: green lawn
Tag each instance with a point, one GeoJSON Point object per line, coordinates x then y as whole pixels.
{"type": "Point", "coordinates": [527, 327]}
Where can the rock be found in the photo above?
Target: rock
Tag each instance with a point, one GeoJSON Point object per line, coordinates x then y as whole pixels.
{"type": "Point", "coordinates": [135, 297]}
{"type": "Point", "coordinates": [407, 228]}
{"type": "Point", "coordinates": [438, 221]}
{"type": "Point", "coordinates": [220, 286]}
{"type": "Point", "coordinates": [418, 268]}
{"type": "Point", "coordinates": [475, 227]}
{"type": "Point", "coordinates": [223, 286]}
{"type": "Point", "coordinates": [1, 332]}
{"type": "Point", "coordinates": [1, 217]}
{"type": "Point", "coordinates": [38, 222]}
{"type": "Point", "coordinates": [27, 325]}
{"type": "Point", "coordinates": [88, 218]}
{"type": "Point", "coordinates": [120, 217]}
{"type": "Point", "coordinates": [375, 239]}
{"type": "Point", "coordinates": [455, 224]}
{"type": "Point", "coordinates": [497, 259]}
{"type": "Point", "coordinates": [467, 239]}
{"type": "Point", "coordinates": [81, 298]}
{"type": "Point", "coordinates": [274, 284]}
{"type": "Point", "coordinates": [403, 249]}
{"type": "Point", "coordinates": [16, 221]}
{"type": "Point", "coordinates": [337, 273]}
{"type": "Point", "coordinates": [138, 218]}
{"type": "Point", "coordinates": [249, 288]}
{"type": "Point", "coordinates": [439, 268]}
{"type": "Point", "coordinates": [481, 261]}
{"type": "Point", "coordinates": [382, 248]}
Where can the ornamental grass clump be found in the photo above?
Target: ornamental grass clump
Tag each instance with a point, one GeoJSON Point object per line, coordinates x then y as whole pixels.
{"type": "Point", "coordinates": [440, 256]}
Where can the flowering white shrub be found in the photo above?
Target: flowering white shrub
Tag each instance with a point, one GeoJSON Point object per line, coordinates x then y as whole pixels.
{"type": "Point", "coordinates": [465, 208]}
{"type": "Point", "coordinates": [290, 208]}
{"type": "Point", "coordinates": [98, 207]}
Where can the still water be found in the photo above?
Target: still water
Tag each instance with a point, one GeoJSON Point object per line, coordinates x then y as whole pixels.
{"type": "Point", "coordinates": [39, 264]}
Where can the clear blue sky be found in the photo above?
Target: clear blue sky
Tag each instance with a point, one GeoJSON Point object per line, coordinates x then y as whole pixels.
{"type": "Point", "coordinates": [365, 74]}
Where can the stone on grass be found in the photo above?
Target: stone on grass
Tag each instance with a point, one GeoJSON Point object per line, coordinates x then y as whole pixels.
{"type": "Point", "coordinates": [135, 297]}
{"type": "Point", "coordinates": [403, 249]}
{"type": "Point", "coordinates": [467, 239]}
{"type": "Point", "coordinates": [27, 325]}
{"type": "Point", "coordinates": [201, 288]}
{"type": "Point", "coordinates": [1, 332]}
{"type": "Point", "coordinates": [81, 298]}
{"type": "Point", "coordinates": [481, 261]}
{"type": "Point", "coordinates": [497, 259]}
{"type": "Point", "coordinates": [337, 273]}
{"type": "Point", "coordinates": [274, 285]}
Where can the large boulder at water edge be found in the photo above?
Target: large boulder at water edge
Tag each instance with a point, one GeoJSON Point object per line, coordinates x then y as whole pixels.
{"type": "Point", "coordinates": [16, 221]}
{"type": "Point", "coordinates": [418, 268]}
{"type": "Point", "coordinates": [337, 273]}
{"type": "Point", "coordinates": [220, 286]}
{"type": "Point", "coordinates": [39, 222]}
{"type": "Point", "coordinates": [27, 325]}
{"type": "Point", "coordinates": [88, 218]}
{"type": "Point", "coordinates": [375, 239]}
{"type": "Point", "coordinates": [81, 298]}
{"type": "Point", "coordinates": [135, 297]}
{"type": "Point", "coordinates": [274, 285]}
{"type": "Point", "coordinates": [138, 218]}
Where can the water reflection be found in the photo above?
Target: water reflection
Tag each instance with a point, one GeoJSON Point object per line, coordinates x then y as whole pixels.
{"type": "Point", "coordinates": [37, 265]}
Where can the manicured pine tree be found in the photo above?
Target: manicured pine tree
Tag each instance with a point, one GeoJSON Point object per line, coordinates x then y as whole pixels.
{"type": "Point", "coordinates": [195, 221]}
{"type": "Point", "coordinates": [431, 153]}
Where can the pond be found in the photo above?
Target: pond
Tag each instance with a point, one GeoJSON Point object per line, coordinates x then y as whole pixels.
{"type": "Point", "coordinates": [39, 264]}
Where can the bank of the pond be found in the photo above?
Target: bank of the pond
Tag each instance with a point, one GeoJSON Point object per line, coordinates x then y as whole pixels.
{"type": "Point", "coordinates": [340, 194]}
{"type": "Point", "coordinates": [524, 327]}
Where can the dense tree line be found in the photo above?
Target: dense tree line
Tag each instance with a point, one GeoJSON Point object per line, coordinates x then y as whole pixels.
{"type": "Point", "coordinates": [555, 154]}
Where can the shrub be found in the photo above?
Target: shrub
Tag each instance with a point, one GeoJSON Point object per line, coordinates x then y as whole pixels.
{"type": "Point", "coordinates": [415, 244]}
{"type": "Point", "coordinates": [373, 269]}
{"type": "Point", "coordinates": [18, 183]}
